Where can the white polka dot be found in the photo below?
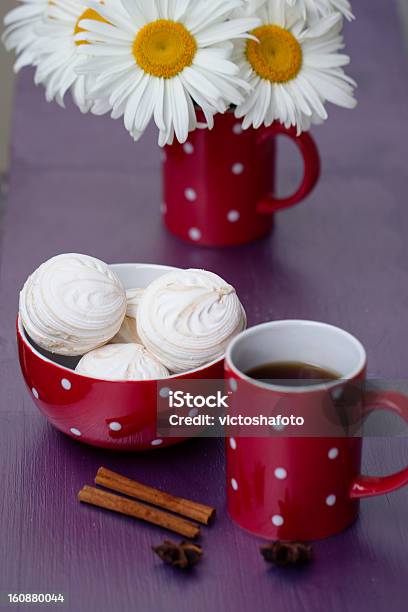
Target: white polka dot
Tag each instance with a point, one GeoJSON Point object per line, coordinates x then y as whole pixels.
{"type": "Point", "coordinates": [233, 384]}
{"type": "Point", "coordinates": [164, 392]}
{"type": "Point", "coordinates": [234, 484]}
{"type": "Point", "coordinates": [280, 473]}
{"type": "Point", "coordinates": [35, 393]}
{"type": "Point", "coordinates": [331, 500]}
{"type": "Point", "coordinates": [233, 443]}
{"type": "Point", "coordinates": [194, 233]}
{"type": "Point", "coordinates": [191, 194]}
{"type": "Point", "coordinates": [193, 412]}
{"type": "Point", "coordinates": [277, 520]}
{"type": "Point", "coordinates": [237, 129]}
{"type": "Point", "coordinates": [157, 442]}
{"type": "Point", "coordinates": [238, 168]}
{"type": "Point", "coordinates": [333, 453]}
{"type": "Point", "coordinates": [75, 431]}
{"type": "Point", "coordinates": [163, 208]}
{"type": "Point", "coordinates": [115, 426]}
{"type": "Point", "coordinates": [337, 393]}
{"type": "Point", "coordinates": [66, 384]}
{"type": "Point", "coordinates": [188, 148]}
{"type": "Point", "coordinates": [233, 216]}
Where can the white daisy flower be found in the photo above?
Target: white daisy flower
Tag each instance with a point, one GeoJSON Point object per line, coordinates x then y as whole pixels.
{"type": "Point", "coordinates": [19, 35]}
{"type": "Point", "coordinates": [319, 8]}
{"type": "Point", "coordinates": [293, 69]}
{"type": "Point", "coordinates": [156, 59]}
{"type": "Point", "coordinates": [58, 51]}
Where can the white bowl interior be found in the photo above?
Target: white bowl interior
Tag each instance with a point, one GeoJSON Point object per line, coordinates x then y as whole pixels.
{"type": "Point", "coordinates": [139, 276]}
{"type": "Point", "coordinates": [132, 275]}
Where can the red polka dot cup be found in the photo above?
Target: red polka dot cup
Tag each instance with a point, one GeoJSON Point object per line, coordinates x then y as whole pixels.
{"type": "Point", "coordinates": [118, 415]}
{"type": "Point", "coordinates": [219, 186]}
{"type": "Point", "coordinates": [300, 488]}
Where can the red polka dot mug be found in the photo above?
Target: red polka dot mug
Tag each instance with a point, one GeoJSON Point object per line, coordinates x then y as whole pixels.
{"type": "Point", "coordinates": [219, 186]}
{"type": "Point", "coordinates": [300, 488]}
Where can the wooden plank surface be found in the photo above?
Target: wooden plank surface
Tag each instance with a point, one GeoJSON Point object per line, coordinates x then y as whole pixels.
{"type": "Point", "coordinates": [79, 184]}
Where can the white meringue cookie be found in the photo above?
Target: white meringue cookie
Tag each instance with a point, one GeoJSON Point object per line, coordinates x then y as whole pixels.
{"type": "Point", "coordinates": [128, 331]}
{"type": "Point", "coordinates": [186, 318]}
{"type": "Point", "coordinates": [121, 362]}
{"type": "Point", "coordinates": [133, 297]}
{"type": "Point", "coordinates": [72, 304]}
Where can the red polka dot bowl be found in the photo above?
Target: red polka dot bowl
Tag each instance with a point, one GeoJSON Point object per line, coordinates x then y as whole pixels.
{"type": "Point", "coordinates": [118, 415]}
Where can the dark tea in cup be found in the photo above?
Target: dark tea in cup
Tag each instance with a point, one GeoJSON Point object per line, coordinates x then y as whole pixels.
{"type": "Point", "coordinates": [292, 374]}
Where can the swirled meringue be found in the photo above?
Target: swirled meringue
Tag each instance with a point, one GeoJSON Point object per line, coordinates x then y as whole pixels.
{"type": "Point", "coordinates": [121, 362]}
{"type": "Point", "coordinates": [72, 304]}
{"type": "Point", "coordinates": [128, 331]}
{"type": "Point", "coordinates": [133, 297]}
{"type": "Point", "coordinates": [186, 318]}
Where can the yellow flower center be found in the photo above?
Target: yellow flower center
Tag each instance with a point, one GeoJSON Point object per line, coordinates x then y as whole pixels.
{"type": "Point", "coordinates": [164, 48]}
{"type": "Point", "coordinates": [88, 14]}
{"type": "Point", "coordinates": [277, 57]}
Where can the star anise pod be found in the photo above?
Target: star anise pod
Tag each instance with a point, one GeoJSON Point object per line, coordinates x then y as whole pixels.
{"type": "Point", "coordinates": [183, 555]}
{"type": "Point", "coordinates": [284, 554]}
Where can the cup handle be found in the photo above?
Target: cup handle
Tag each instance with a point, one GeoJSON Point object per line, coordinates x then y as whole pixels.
{"type": "Point", "coordinates": [368, 486]}
{"type": "Point", "coordinates": [311, 159]}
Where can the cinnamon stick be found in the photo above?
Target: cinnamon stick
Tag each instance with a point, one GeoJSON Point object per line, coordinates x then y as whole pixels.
{"type": "Point", "coordinates": [122, 505]}
{"type": "Point", "coordinates": [198, 512]}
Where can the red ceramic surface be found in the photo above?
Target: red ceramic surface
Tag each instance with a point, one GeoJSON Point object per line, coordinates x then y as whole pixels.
{"type": "Point", "coordinates": [300, 488]}
{"type": "Point", "coordinates": [219, 186]}
{"type": "Point", "coordinates": [118, 415]}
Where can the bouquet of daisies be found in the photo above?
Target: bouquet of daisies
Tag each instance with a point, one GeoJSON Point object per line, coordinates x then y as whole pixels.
{"type": "Point", "coordinates": [163, 60]}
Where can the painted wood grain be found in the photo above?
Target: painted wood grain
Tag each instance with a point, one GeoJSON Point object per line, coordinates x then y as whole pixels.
{"type": "Point", "coordinates": [79, 184]}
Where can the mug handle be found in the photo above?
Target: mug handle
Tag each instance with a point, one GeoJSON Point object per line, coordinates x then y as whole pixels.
{"type": "Point", "coordinates": [311, 159]}
{"type": "Point", "coordinates": [368, 486]}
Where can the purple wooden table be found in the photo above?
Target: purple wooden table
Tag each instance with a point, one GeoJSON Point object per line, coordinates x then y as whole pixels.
{"type": "Point", "coordinates": [79, 184]}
